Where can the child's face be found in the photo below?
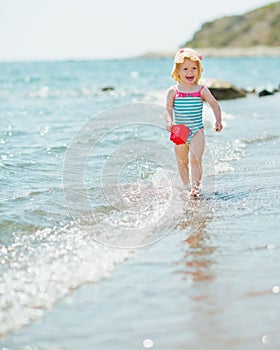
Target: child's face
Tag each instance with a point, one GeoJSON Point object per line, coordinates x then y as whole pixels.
{"type": "Point", "coordinates": [188, 72]}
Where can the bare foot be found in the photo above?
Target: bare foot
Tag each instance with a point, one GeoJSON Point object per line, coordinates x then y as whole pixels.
{"type": "Point", "coordinates": [196, 192]}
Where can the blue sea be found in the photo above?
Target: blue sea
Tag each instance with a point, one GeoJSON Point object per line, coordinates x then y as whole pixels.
{"type": "Point", "coordinates": [100, 246]}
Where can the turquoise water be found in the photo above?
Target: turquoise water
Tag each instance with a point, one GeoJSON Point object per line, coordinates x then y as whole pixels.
{"type": "Point", "coordinates": [207, 273]}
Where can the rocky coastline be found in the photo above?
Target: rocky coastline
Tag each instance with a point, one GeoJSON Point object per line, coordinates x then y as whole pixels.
{"type": "Point", "coordinates": [253, 51]}
{"type": "Point", "coordinates": [224, 90]}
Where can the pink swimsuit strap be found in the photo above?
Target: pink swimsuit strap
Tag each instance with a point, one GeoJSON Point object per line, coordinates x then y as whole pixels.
{"type": "Point", "coordinates": [192, 94]}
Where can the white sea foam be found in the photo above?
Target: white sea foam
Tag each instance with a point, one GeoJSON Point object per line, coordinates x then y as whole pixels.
{"type": "Point", "coordinates": [41, 268]}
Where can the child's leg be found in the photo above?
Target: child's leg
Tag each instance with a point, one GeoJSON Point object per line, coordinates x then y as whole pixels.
{"type": "Point", "coordinates": [197, 146]}
{"type": "Point", "coordinates": [182, 156]}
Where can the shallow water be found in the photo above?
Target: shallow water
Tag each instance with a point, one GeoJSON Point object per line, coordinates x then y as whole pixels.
{"type": "Point", "coordinates": [210, 278]}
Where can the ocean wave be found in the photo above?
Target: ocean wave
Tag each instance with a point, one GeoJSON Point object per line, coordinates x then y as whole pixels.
{"type": "Point", "coordinates": [225, 154]}
{"type": "Point", "coordinates": [260, 139]}
{"type": "Point", "coordinates": [47, 92]}
{"type": "Point", "coordinates": [40, 268]}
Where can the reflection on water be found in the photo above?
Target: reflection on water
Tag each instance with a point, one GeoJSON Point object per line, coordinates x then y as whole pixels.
{"type": "Point", "coordinates": [198, 265]}
{"type": "Point", "coordinates": [229, 288]}
{"type": "Point", "coordinates": [198, 256]}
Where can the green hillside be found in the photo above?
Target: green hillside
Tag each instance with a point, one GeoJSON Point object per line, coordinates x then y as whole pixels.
{"type": "Point", "coordinates": [257, 27]}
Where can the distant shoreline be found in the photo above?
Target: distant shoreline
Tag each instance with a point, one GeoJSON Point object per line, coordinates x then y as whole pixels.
{"type": "Point", "coordinates": [254, 51]}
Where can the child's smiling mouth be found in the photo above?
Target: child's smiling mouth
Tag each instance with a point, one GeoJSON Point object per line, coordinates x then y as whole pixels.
{"type": "Point", "coordinates": [190, 78]}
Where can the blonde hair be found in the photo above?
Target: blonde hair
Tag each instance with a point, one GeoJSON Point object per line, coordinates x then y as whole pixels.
{"type": "Point", "coordinates": [180, 57]}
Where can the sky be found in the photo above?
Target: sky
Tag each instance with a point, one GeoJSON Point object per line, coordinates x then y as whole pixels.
{"type": "Point", "coordinates": [97, 29]}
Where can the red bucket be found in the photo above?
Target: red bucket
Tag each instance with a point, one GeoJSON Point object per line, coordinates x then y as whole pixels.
{"type": "Point", "coordinates": [179, 134]}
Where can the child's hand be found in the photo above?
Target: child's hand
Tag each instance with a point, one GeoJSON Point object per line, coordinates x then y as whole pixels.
{"type": "Point", "coordinates": [218, 127]}
{"type": "Point", "coordinates": [169, 126]}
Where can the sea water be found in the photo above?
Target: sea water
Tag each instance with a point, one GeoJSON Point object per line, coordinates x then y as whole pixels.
{"type": "Point", "coordinates": [100, 247]}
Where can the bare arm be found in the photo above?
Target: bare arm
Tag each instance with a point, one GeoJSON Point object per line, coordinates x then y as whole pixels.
{"type": "Point", "coordinates": [168, 112]}
{"type": "Point", "coordinates": [214, 104]}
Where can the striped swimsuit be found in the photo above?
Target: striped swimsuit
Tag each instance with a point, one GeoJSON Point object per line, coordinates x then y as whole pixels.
{"type": "Point", "coordinates": [188, 110]}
